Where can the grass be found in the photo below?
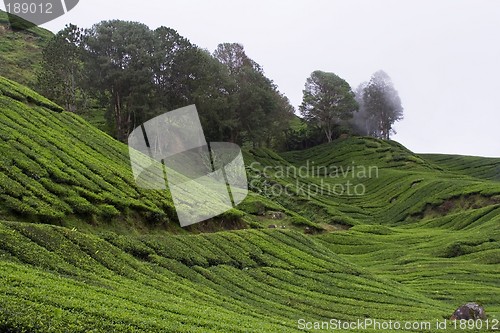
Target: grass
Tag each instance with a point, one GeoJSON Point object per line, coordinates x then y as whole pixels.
{"type": "Point", "coordinates": [59, 279]}
{"type": "Point", "coordinates": [396, 186]}
{"type": "Point", "coordinates": [21, 59]}
{"type": "Point", "coordinates": [82, 249]}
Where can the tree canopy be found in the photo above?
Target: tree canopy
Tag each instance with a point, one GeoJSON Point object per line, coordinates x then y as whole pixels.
{"type": "Point", "coordinates": [380, 106]}
{"type": "Point", "coordinates": [328, 100]}
{"type": "Point", "coordinates": [62, 69]}
{"type": "Point", "coordinates": [127, 74]}
{"type": "Point", "coordinates": [135, 73]}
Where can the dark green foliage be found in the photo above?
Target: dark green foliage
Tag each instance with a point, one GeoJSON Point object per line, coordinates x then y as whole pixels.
{"type": "Point", "coordinates": [328, 100]}
{"type": "Point", "coordinates": [256, 112]}
{"type": "Point", "coordinates": [247, 281]}
{"type": "Point", "coordinates": [302, 134]}
{"type": "Point", "coordinates": [62, 75]}
{"type": "Point", "coordinates": [118, 63]}
{"type": "Point", "coordinates": [132, 74]}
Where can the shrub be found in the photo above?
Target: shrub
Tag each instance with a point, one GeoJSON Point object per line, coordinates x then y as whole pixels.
{"type": "Point", "coordinates": [108, 210]}
{"type": "Point", "coordinates": [80, 205]}
{"type": "Point", "coordinates": [18, 206]}
{"type": "Point", "coordinates": [300, 221]}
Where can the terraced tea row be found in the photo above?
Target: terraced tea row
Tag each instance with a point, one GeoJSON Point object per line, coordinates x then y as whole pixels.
{"type": "Point", "coordinates": [479, 167]}
{"type": "Point", "coordinates": [420, 239]}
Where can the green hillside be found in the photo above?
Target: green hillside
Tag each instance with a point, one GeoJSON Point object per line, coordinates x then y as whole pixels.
{"type": "Point", "coordinates": [398, 187]}
{"type": "Point", "coordinates": [21, 51]}
{"type": "Point", "coordinates": [56, 168]}
{"type": "Point", "coordinates": [479, 167]}
{"type": "Point", "coordinates": [409, 237]}
{"type": "Point", "coordinates": [248, 281]}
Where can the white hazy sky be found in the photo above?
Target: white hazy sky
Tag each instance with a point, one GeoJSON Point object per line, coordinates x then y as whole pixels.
{"type": "Point", "coordinates": [443, 55]}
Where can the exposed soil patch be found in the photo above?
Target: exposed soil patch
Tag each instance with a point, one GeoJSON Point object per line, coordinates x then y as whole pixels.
{"type": "Point", "coordinates": [335, 227]}
{"type": "Point", "coordinates": [456, 204]}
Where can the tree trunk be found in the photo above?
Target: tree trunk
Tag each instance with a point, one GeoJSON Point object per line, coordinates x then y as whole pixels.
{"type": "Point", "coordinates": [329, 133]}
{"type": "Point", "coordinates": [118, 116]}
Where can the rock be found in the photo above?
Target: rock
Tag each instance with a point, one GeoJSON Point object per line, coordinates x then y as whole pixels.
{"type": "Point", "coordinates": [468, 311]}
{"type": "Point", "coordinates": [276, 215]}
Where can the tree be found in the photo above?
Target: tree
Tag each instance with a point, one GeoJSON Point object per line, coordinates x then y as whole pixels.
{"type": "Point", "coordinates": [328, 100]}
{"type": "Point", "coordinates": [233, 56]}
{"type": "Point", "coordinates": [208, 85]}
{"type": "Point", "coordinates": [61, 75]}
{"type": "Point", "coordinates": [254, 100]}
{"type": "Point", "coordinates": [133, 74]}
{"type": "Point", "coordinates": [120, 67]}
{"type": "Point", "coordinates": [362, 122]}
{"type": "Point", "coordinates": [171, 56]}
{"type": "Point", "coordinates": [382, 104]}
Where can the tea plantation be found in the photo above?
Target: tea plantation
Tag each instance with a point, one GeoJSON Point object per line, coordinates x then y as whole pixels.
{"type": "Point", "coordinates": [365, 229]}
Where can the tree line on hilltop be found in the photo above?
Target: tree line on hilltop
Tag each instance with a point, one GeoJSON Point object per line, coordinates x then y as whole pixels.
{"type": "Point", "coordinates": [131, 74]}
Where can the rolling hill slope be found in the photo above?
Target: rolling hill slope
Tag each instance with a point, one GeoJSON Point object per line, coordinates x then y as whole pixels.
{"type": "Point", "coordinates": [79, 250]}
{"type": "Point", "coordinates": [55, 166]}
{"type": "Point", "coordinates": [247, 281]}
{"type": "Point", "coordinates": [21, 51]}
{"type": "Point", "coordinates": [479, 167]}
{"type": "Point", "coordinates": [396, 186]}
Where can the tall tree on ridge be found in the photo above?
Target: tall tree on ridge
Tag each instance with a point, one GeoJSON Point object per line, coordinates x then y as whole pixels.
{"type": "Point", "coordinates": [328, 100]}
{"type": "Point", "coordinates": [382, 104]}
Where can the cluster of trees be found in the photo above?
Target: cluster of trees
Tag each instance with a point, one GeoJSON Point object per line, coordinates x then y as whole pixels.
{"type": "Point", "coordinates": [133, 74]}
{"type": "Point", "coordinates": [330, 105]}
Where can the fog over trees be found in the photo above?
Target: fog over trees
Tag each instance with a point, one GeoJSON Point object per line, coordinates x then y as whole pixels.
{"type": "Point", "coordinates": [380, 107]}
